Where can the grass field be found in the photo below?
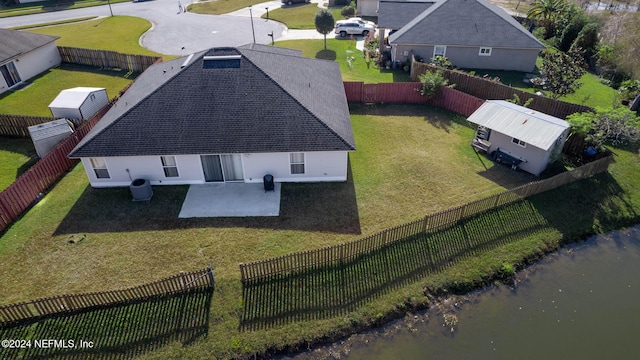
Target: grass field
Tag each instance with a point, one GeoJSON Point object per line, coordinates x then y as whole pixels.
{"type": "Point", "coordinates": [16, 156]}
{"type": "Point", "coordinates": [50, 6]}
{"type": "Point", "coordinates": [220, 7]}
{"type": "Point", "coordinates": [35, 98]}
{"type": "Point", "coordinates": [116, 33]}
{"type": "Point", "coordinates": [340, 50]}
{"type": "Point", "coordinates": [300, 16]}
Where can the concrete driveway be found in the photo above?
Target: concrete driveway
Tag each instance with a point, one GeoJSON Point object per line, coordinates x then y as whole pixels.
{"type": "Point", "coordinates": [175, 33]}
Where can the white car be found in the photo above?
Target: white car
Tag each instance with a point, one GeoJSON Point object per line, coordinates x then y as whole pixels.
{"type": "Point", "coordinates": [345, 27]}
{"type": "Point", "coordinates": [360, 21]}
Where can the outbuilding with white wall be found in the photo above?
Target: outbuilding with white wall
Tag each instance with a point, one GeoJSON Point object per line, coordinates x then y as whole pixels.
{"type": "Point", "coordinates": [79, 102]}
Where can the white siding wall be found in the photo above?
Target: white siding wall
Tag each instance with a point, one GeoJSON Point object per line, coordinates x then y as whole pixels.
{"type": "Point", "coordinates": [33, 63]}
{"type": "Point", "coordinates": [93, 104]}
{"type": "Point", "coordinates": [38, 60]}
{"type": "Point", "coordinates": [319, 166]}
{"type": "Point", "coordinates": [537, 159]}
{"type": "Point", "coordinates": [68, 113]}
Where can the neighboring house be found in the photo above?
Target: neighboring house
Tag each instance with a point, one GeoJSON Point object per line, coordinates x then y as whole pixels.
{"type": "Point", "coordinates": [472, 34]}
{"type": "Point", "coordinates": [24, 55]}
{"type": "Point", "coordinates": [367, 8]}
{"type": "Point", "coordinates": [222, 115]}
{"type": "Point", "coordinates": [79, 102]}
{"type": "Point", "coordinates": [519, 136]}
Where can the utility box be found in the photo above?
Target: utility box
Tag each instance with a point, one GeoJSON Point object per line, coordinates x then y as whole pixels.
{"type": "Point", "coordinates": [79, 102]}
{"type": "Point", "coordinates": [47, 135]}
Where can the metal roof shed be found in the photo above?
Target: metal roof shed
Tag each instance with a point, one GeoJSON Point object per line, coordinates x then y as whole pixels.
{"type": "Point", "coordinates": [521, 132]}
{"type": "Point", "coordinates": [47, 135]}
{"type": "Point", "coordinates": [79, 102]}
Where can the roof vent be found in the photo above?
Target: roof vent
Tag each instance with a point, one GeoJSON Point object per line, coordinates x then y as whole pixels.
{"type": "Point", "coordinates": [221, 62]}
{"type": "Point", "coordinates": [187, 61]}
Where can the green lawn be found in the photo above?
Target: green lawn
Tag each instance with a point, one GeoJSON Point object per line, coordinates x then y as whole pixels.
{"type": "Point", "coordinates": [34, 99]}
{"type": "Point", "coordinates": [339, 50]}
{"type": "Point", "coordinates": [117, 33]}
{"type": "Point", "coordinates": [49, 6]}
{"type": "Point", "coordinates": [300, 16]}
{"type": "Point", "coordinates": [16, 156]}
{"type": "Point", "coordinates": [220, 7]}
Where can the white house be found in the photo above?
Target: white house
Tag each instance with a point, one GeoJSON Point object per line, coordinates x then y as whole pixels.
{"type": "Point", "coordinates": [24, 55]}
{"type": "Point", "coordinates": [519, 136]}
{"type": "Point", "coordinates": [225, 115]}
{"type": "Point", "coordinates": [79, 102]}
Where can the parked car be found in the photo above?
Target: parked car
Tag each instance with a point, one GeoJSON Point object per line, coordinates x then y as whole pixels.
{"type": "Point", "coordinates": [358, 20]}
{"type": "Point", "coordinates": [291, 2]}
{"type": "Point", "coordinates": [344, 28]}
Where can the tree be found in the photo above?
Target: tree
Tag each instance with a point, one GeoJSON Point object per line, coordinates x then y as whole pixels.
{"type": "Point", "coordinates": [617, 126]}
{"type": "Point", "coordinates": [547, 12]}
{"type": "Point", "coordinates": [324, 23]}
{"type": "Point", "coordinates": [561, 71]}
{"type": "Point", "coordinates": [587, 41]}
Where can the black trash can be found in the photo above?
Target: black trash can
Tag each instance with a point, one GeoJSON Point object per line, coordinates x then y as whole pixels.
{"type": "Point", "coordinates": [268, 183]}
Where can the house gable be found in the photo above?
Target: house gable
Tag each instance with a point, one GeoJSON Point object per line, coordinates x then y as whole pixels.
{"type": "Point", "coordinates": [272, 101]}
{"type": "Point", "coordinates": [16, 43]}
{"type": "Point", "coordinates": [465, 23]}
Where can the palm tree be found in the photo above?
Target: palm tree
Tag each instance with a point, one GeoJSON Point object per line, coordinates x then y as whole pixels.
{"type": "Point", "coordinates": [548, 12]}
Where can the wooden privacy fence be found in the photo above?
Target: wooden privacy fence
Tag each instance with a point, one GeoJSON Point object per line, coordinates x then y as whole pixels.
{"type": "Point", "coordinates": [67, 304]}
{"type": "Point", "coordinates": [107, 59]}
{"type": "Point", "coordinates": [32, 183]}
{"type": "Point", "coordinates": [492, 90]}
{"type": "Point", "coordinates": [430, 223]}
{"type": "Point", "coordinates": [17, 125]}
{"type": "Point", "coordinates": [408, 92]}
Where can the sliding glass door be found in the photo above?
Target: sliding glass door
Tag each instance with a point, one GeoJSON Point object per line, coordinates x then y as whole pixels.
{"type": "Point", "coordinates": [219, 168]}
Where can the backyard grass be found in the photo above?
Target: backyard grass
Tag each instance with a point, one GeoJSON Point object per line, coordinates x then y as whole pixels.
{"type": "Point", "coordinates": [49, 6]}
{"type": "Point", "coordinates": [301, 16]}
{"type": "Point", "coordinates": [53, 23]}
{"type": "Point", "coordinates": [116, 33]}
{"type": "Point", "coordinates": [16, 156]}
{"type": "Point", "coordinates": [34, 99]}
{"type": "Point", "coordinates": [411, 160]}
{"type": "Point", "coordinates": [220, 7]}
{"type": "Point", "coordinates": [340, 50]}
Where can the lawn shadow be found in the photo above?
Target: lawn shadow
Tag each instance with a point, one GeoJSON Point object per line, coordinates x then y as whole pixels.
{"type": "Point", "coordinates": [325, 207]}
{"type": "Point", "coordinates": [335, 289]}
{"type": "Point", "coordinates": [578, 209]}
{"type": "Point", "coordinates": [502, 174]}
{"type": "Point", "coordinates": [118, 331]}
{"type": "Point", "coordinates": [326, 55]}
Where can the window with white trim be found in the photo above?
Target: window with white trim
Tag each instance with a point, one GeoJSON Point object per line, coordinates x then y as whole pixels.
{"type": "Point", "coordinates": [519, 142]}
{"type": "Point", "coordinates": [99, 166]}
{"type": "Point", "coordinates": [485, 51]}
{"type": "Point", "coordinates": [439, 50]}
{"type": "Point", "coordinates": [296, 160]}
{"type": "Point", "coordinates": [169, 166]}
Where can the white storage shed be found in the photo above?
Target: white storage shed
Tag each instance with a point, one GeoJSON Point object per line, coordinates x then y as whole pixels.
{"type": "Point", "coordinates": [79, 102]}
{"type": "Point", "coordinates": [47, 135]}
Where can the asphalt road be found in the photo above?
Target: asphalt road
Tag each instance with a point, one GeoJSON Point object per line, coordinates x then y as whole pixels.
{"type": "Point", "coordinates": [175, 33]}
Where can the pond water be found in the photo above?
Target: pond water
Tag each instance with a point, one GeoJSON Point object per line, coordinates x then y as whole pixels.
{"type": "Point", "coordinates": [582, 302]}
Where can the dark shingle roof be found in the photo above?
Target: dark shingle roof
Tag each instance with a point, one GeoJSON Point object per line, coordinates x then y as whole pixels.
{"type": "Point", "coordinates": [274, 101]}
{"type": "Point", "coordinates": [395, 14]}
{"type": "Point", "coordinates": [15, 43]}
{"type": "Point", "coordinates": [466, 23]}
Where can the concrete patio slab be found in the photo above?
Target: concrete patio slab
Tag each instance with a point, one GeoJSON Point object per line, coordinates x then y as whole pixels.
{"type": "Point", "coordinates": [230, 200]}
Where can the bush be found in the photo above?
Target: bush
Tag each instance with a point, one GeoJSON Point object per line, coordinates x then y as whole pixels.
{"type": "Point", "coordinates": [432, 81]}
{"type": "Point", "coordinates": [348, 11]}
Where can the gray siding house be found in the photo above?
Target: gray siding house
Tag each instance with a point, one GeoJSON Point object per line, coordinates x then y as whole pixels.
{"type": "Point", "coordinates": [519, 136]}
{"type": "Point", "coordinates": [472, 34]}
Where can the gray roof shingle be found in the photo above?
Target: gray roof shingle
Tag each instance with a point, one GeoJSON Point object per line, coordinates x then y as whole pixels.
{"type": "Point", "coordinates": [394, 14]}
{"type": "Point", "coordinates": [275, 101]}
{"type": "Point", "coordinates": [14, 43]}
{"type": "Point", "coordinates": [466, 23]}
